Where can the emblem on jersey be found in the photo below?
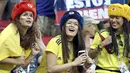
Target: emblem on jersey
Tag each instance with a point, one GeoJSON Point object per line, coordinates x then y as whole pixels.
{"type": "Point", "coordinates": [58, 41]}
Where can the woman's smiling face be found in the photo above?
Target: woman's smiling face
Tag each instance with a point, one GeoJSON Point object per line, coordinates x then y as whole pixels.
{"type": "Point", "coordinates": [71, 27]}
{"type": "Point", "coordinates": [116, 22]}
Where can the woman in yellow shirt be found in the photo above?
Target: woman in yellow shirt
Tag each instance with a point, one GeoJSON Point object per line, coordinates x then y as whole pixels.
{"type": "Point", "coordinates": [111, 45]}
{"type": "Point", "coordinates": [19, 40]}
{"type": "Point", "coordinates": [61, 53]}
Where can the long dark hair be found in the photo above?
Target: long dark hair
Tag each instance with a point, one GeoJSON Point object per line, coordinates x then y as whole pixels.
{"type": "Point", "coordinates": [78, 44]}
{"type": "Point", "coordinates": [126, 38]}
{"type": "Point", "coordinates": [29, 39]}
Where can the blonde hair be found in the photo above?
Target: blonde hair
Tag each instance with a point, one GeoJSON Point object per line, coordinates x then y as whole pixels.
{"type": "Point", "coordinates": [87, 26]}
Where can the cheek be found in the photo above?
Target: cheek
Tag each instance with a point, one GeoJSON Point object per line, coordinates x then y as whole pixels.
{"type": "Point", "coordinates": [121, 21]}
{"type": "Point", "coordinates": [22, 20]}
{"type": "Point", "coordinates": [77, 28]}
{"type": "Point", "coordinates": [93, 31]}
{"type": "Point", "coordinates": [32, 19]}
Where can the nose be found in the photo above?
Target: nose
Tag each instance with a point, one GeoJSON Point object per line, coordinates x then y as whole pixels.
{"type": "Point", "coordinates": [29, 16]}
{"type": "Point", "coordinates": [113, 19]}
{"type": "Point", "coordinates": [72, 24]}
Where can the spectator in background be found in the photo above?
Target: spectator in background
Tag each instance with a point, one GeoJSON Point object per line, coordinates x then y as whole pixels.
{"type": "Point", "coordinates": [89, 31]}
{"type": "Point", "coordinates": [129, 2]}
{"type": "Point", "coordinates": [111, 46]}
{"type": "Point", "coordinates": [20, 39]}
{"type": "Point", "coordinates": [62, 50]}
{"type": "Point", "coordinates": [46, 17]}
{"type": "Point", "coordinates": [105, 24]}
{"type": "Point", "coordinates": [2, 7]}
{"type": "Point", "coordinates": [7, 8]}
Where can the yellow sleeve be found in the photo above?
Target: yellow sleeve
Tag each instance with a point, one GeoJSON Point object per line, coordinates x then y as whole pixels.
{"type": "Point", "coordinates": [52, 46]}
{"type": "Point", "coordinates": [27, 52]}
{"type": "Point", "coordinates": [4, 53]}
{"type": "Point", "coordinates": [8, 48]}
{"type": "Point", "coordinates": [97, 40]}
{"type": "Point", "coordinates": [10, 43]}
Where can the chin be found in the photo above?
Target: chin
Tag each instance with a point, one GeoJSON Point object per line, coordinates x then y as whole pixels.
{"type": "Point", "coordinates": [114, 27]}
{"type": "Point", "coordinates": [27, 27]}
{"type": "Point", "coordinates": [71, 35]}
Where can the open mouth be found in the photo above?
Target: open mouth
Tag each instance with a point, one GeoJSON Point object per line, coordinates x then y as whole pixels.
{"type": "Point", "coordinates": [71, 30]}
{"type": "Point", "coordinates": [28, 22]}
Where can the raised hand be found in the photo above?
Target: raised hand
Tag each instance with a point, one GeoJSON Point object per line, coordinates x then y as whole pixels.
{"type": "Point", "coordinates": [80, 59]}
{"type": "Point", "coordinates": [107, 41]}
{"type": "Point", "coordinates": [35, 49]}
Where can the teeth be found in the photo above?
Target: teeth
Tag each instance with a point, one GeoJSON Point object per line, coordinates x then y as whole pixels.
{"type": "Point", "coordinates": [28, 21]}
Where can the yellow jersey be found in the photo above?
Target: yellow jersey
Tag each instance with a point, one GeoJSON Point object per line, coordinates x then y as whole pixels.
{"type": "Point", "coordinates": [54, 46]}
{"type": "Point", "coordinates": [106, 60]}
{"type": "Point", "coordinates": [10, 47]}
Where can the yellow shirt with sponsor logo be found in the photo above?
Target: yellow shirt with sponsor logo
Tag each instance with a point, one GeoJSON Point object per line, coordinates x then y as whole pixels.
{"type": "Point", "coordinates": [10, 47]}
{"type": "Point", "coordinates": [106, 60]}
{"type": "Point", "coordinates": [54, 46]}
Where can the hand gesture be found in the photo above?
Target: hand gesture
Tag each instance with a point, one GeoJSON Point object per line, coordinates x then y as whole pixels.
{"type": "Point", "coordinates": [35, 49]}
{"type": "Point", "coordinates": [89, 60]}
{"type": "Point", "coordinates": [21, 59]}
{"type": "Point", "coordinates": [80, 59]}
{"type": "Point", "coordinates": [107, 41]}
{"type": "Point", "coordinates": [40, 43]}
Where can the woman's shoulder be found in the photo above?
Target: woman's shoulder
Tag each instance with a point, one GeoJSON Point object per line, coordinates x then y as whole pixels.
{"type": "Point", "coordinates": [56, 39]}
{"type": "Point", "coordinates": [9, 31]}
{"type": "Point", "coordinates": [103, 31]}
{"type": "Point", "coordinates": [11, 28]}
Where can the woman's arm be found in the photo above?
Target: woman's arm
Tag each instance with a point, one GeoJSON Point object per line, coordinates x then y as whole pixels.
{"type": "Point", "coordinates": [32, 55]}
{"type": "Point", "coordinates": [51, 63]}
{"type": "Point", "coordinates": [40, 42]}
{"type": "Point", "coordinates": [93, 53]}
{"type": "Point", "coordinates": [53, 68]}
{"type": "Point", "coordinates": [17, 61]}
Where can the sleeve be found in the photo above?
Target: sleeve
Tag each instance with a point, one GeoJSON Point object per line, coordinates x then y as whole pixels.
{"type": "Point", "coordinates": [97, 40]}
{"type": "Point", "coordinates": [9, 48]}
{"type": "Point", "coordinates": [4, 53]}
{"type": "Point", "coordinates": [52, 46]}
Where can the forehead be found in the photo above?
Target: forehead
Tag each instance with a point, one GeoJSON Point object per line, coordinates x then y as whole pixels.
{"type": "Point", "coordinates": [29, 12]}
{"type": "Point", "coordinates": [72, 19]}
{"type": "Point", "coordinates": [112, 16]}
